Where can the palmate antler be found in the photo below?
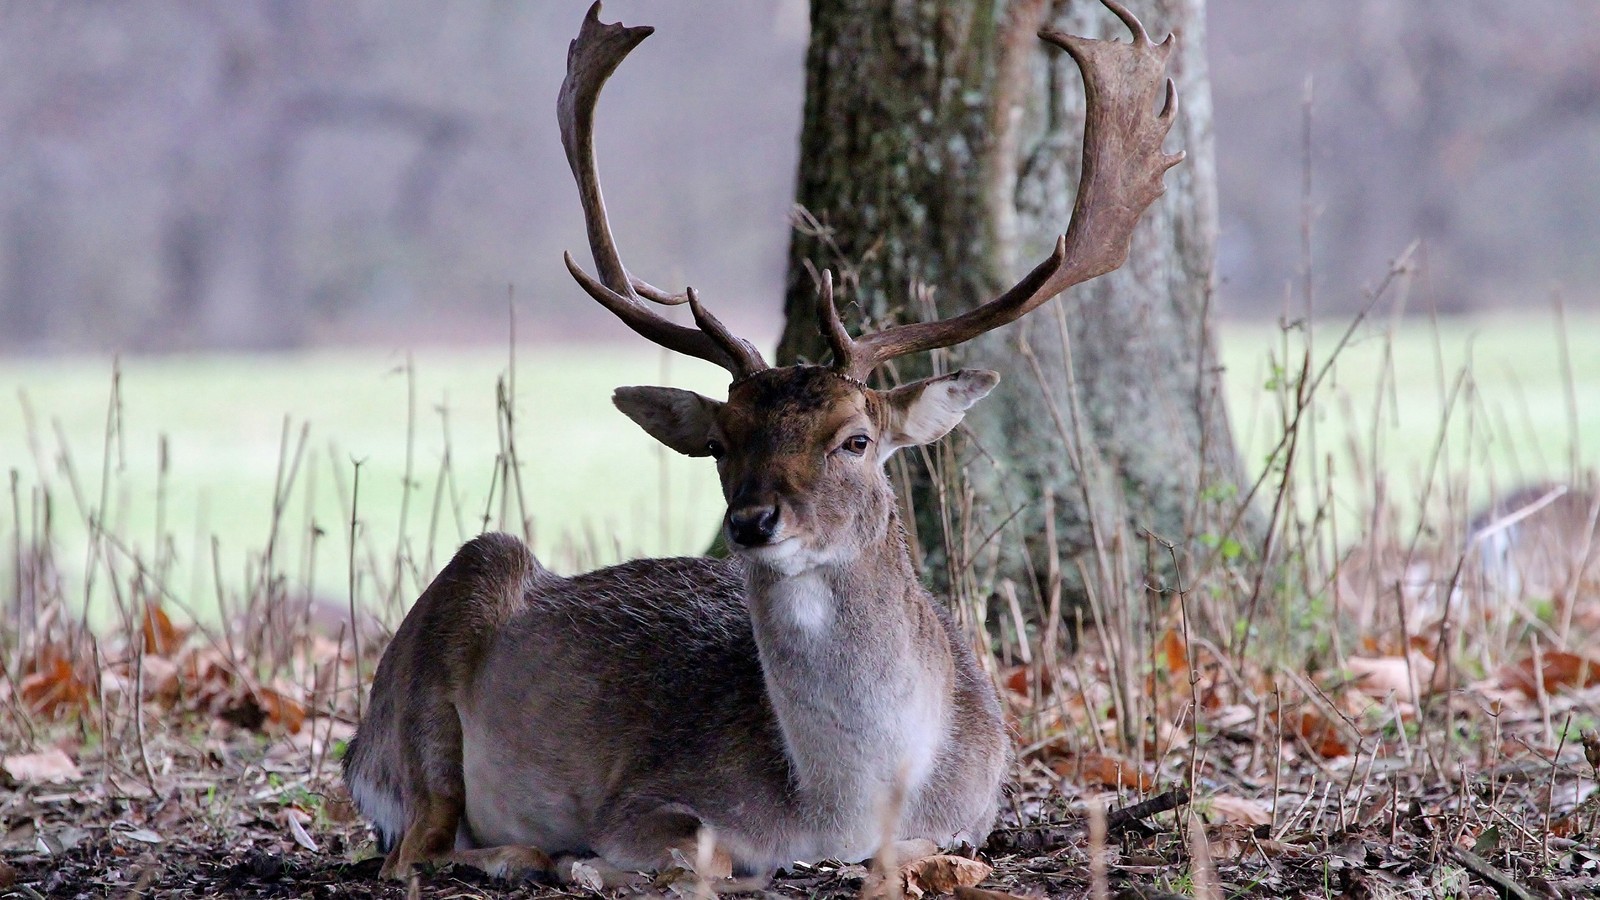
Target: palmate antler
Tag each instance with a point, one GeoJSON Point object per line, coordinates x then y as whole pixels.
{"type": "Point", "coordinates": [1122, 172]}
{"type": "Point", "coordinates": [592, 57]}
{"type": "Point", "coordinates": [1123, 166]}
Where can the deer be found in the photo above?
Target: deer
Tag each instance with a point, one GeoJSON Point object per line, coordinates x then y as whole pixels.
{"type": "Point", "coordinates": [775, 702]}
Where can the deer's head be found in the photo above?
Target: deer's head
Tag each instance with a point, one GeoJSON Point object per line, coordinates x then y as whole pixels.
{"type": "Point", "coordinates": [800, 449]}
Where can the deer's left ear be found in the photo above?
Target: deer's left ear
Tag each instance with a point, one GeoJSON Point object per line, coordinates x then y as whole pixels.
{"type": "Point", "coordinates": [924, 411]}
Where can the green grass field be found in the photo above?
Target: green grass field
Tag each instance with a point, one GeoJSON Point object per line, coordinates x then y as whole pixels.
{"type": "Point", "coordinates": [596, 489]}
{"type": "Point", "coordinates": [1483, 404]}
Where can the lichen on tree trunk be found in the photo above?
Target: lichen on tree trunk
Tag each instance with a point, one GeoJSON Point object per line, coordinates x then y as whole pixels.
{"type": "Point", "coordinates": [940, 147]}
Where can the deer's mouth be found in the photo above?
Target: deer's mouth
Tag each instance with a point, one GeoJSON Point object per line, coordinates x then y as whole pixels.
{"type": "Point", "coordinates": [776, 545]}
{"type": "Point", "coordinates": [779, 553]}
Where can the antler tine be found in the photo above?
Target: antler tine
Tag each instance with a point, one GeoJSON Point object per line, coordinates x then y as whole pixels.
{"type": "Point", "coordinates": [650, 292]}
{"type": "Point", "coordinates": [1123, 167]}
{"type": "Point", "coordinates": [596, 52]}
{"type": "Point", "coordinates": [746, 358]}
{"type": "Point", "coordinates": [832, 326]}
{"type": "Point", "coordinates": [1140, 36]}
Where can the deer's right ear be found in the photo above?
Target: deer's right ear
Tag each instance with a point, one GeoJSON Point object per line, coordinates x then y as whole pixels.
{"type": "Point", "coordinates": [683, 420]}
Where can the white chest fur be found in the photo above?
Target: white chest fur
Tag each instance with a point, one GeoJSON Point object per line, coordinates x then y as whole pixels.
{"type": "Point", "coordinates": [806, 603]}
{"type": "Point", "coordinates": [856, 719]}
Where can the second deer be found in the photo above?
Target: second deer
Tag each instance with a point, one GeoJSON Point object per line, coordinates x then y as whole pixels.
{"type": "Point", "coordinates": [772, 701]}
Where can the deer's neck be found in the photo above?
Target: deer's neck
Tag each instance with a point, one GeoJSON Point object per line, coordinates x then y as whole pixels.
{"type": "Point", "coordinates": [858, 667]}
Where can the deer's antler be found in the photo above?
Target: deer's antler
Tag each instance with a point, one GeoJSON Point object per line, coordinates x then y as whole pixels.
{"type": "Point", "coordinates": [592, 57]}
{"type": "Point", "coordinates": [1123, 166]}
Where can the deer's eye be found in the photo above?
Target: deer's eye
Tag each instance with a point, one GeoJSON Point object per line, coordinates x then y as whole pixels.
{"type": "Point", "coordinates": [715, 448]}
{"type": "Point", "coordinates": [856, 444]}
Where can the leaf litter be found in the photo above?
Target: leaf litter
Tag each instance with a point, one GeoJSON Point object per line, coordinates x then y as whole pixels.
{"type": "Point", "coordinates": [1322, 783]}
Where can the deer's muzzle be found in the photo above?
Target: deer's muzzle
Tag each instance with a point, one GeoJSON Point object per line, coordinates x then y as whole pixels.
{"type": "Point", "coordinates": [753, 525]}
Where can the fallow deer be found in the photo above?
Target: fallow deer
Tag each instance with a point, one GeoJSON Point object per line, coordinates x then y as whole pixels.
{"type": "Point", "coordinates": [774, 699]}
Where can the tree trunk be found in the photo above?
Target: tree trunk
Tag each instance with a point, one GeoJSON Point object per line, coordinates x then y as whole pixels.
{"type": "Point", "coordinates": [940, 147]}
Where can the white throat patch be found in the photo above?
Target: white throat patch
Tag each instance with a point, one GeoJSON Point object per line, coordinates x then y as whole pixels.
{"type": "Point", "coordinates": [805, 601]}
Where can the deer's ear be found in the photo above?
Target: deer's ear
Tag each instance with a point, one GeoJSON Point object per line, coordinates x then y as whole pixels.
{"type": "Point", "coordinates": [924, 411]}
{"type": "Point", "coordinates": [683, 420]}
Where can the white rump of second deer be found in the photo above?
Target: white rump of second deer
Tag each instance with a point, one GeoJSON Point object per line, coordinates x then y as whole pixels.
{"type": "Point", "coordinates": [1540, 544]}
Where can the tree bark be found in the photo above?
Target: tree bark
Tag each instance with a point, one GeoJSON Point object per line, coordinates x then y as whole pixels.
{"type": "Point", "coordinates": [940, 147]}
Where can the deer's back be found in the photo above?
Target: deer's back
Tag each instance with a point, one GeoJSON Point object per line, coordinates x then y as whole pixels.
{"type": "Point", "coordinates": [638, 683]}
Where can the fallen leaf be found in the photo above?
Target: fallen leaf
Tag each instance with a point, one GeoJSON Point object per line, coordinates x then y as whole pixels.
{"type": "Point", "coordinates": [1488, 841]}
{"type": "Point", "coordinates": [283, 710]}
{"type": "Point", "coordinates": [1175, 652]}
{"type": "Point", "coordinates": [161, 637]}
{"type": "Point", "coordinates": [942, 874]}
{"type": "Point", "coordinates": [59, 840]}
{"type": "Point", "coordinates": [263, 706]}
{"type": "Point", "coordinates": [160, 678]}
{"type": "Point", "coordinates": [1561, 670]}
{"type": "Point", "coordinates": [47, 765]}
{"type": "Point", "coordinates": [337, 807]}
{"type": "Point", "coordinates": [1270, 848]}
{"type": "Point", "coordinates": [1226, 841]}
{"type": "Point", "coordinates": [142, 835]}
{"type": "Point", "coordinates": [1231, 716]}
{"type": "Point", "coordinates": [1240, 811]}
{"type": "Point", "coordinates": [1103, 770]}
{"type": "Point", "coordinates": [587, 876]}
{"type": "Point", "coordinates": [53, 685]}
{"type": "Point", "coordinates": [18, 836]}
{"type": "Point", "coordinates": [1319, 733]}
{"type": "Point", "coordinates": [1018, 682]}
{"type": "Point", "coordinates": [1381, 676]}
{"type": "Point", "coordinates": [298, 831]}
{"type": "Point", "coordinates": [131, 790]}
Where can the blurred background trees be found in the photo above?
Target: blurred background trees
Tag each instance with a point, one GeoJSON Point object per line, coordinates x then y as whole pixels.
{"type": "Point", "coordinates": [268, 173]}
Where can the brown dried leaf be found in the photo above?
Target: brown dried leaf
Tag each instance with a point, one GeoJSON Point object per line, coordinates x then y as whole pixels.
{"type": "Point", "coordinates": [282, 710]}
{"type": "Point", "coordinates": [160, 679]}
{"type": "Point", "coordinates": [1560, 670]}
{"type": "Point", "coordinates": [263, 707]}
{"type": "Point", "coordinates": [1240, 811]}
{"type": "Point", "coordinates": [1316, 729]}
{"type": "Point", "coordinates": [50, 764]}
{"type": "Point", "coordinates": [942, 874]}
{"type": "Point", "coordinates": [1174, 650]}
{"type": "Point", "coordinates": [586, 876]}
{"type": "Point", "coordinates": [161, 637]}
{"type": "Point", "coordinates": [1019, 681]}
{"type": "Point", "coordinates": [1103, 770]}
{"type": "Point", "coordinates": [1381, 676]}
{"type": "Point", "coordinates": [53, 685]}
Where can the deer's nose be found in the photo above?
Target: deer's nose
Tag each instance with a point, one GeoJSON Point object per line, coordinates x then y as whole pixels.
{"type": "Point", "coordinates": [753, 525]}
